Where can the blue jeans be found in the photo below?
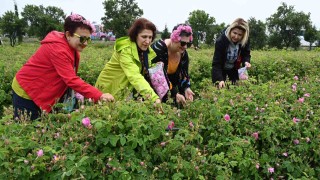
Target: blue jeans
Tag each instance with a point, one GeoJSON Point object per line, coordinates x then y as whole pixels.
{"type": "Point", "coordinates": [22, 106]}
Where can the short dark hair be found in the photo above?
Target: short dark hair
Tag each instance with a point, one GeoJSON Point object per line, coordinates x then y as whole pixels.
{"type": "Point", "coordinates": [71, 26]}
{"type": "Point", "coordinates": [138, 26]}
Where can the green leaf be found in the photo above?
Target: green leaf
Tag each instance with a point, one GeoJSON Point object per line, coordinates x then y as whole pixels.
{"type": "Point", "coordinates": [98, 125]}
{"type": "Point", "coordinates": [123, 140]}
{"type": "Point", "coordinates": [113, 140]}
{"type": "Point", "coordinates": [177, 176]}
{"type": "Point", "coordinates": [3, 153]}
{"type": "Point", "coordinates": [83, 160]}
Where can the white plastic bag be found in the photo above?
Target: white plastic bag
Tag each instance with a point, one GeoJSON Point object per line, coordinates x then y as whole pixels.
{"type": "Point", "coordinates": [243, 73]}
{"type": "Point", "coordinates": [158, 80]}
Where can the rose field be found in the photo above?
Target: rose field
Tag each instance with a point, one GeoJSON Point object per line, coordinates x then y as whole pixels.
{"type": "Point", "coordinates": [266, 127]}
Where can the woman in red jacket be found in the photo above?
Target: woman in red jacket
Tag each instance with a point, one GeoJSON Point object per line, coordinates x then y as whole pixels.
{"type": "Point", "coordinates": [46, 76]}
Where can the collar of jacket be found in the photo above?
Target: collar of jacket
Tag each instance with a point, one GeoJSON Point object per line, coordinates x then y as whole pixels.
{"type": "Point", "coordinates": [124, 42]}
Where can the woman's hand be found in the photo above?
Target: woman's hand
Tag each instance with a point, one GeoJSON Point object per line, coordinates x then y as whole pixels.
{"type": "Point", "coordinates": [180, 99]}
{"type": "Point", "coordinates": [221, 84]}
{"type": "Point", "coordinates": [158, 106]}
{"type": "Point", "coordinates": [189, 94]}
{"type": "Point", "coordinates": [107, 97]}
{"type": "Point", "coordinates": [247, 64]}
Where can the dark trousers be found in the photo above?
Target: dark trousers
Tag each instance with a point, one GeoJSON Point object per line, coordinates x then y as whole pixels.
{"type": "Point", "coordinates": [24, 106]}
{"type": "Point", "coordinates": [232, 74]}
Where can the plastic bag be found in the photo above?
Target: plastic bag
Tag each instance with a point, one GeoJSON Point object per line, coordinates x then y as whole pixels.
{"type": "Point", "coordinates": [69, 100]}
{"type": "Point", "coordinates": [243, 73]}
{"type": "Point", "coordinates": [158, 80]}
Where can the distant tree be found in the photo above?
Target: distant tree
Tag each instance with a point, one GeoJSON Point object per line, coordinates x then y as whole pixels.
{"type": "Point", "coordinates": [120, 14]}
{"type": "Point", "coordinates": [214, 32]}
{"type": "Point", "coordinates": [285, 26]}
{"type": "Point", "coordinates": [20, 24]}
{"type": "Point", "coordinates": [318, 41]}
{"type": "Point", "coordinates": [8, 22]}
{"type": "Point", "coordinates": [200, 21]}
{"type": "Point", "coordinates": [12, 25]}
{"type": "Point", "coordinates": [311, 35]}
{"type": "Point", "coordinates": [258, 37]}
{"type": "Point", "coordinates": [42, 20]}
{"type": "Point", "coordinates": [165, 34]}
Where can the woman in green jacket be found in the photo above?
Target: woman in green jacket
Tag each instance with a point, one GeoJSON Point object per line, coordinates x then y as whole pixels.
{"type": "Point", "coordinates": [128, 66]}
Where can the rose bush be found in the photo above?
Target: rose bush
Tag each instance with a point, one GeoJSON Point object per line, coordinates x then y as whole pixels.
{"type": "Point", "coordinates": [265, 128]}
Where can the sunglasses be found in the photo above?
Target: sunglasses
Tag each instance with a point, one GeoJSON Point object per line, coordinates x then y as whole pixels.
{"type": "Point", "coordinates": [83, 39]}
{"type": "Point", "coordinates": [183, 43]}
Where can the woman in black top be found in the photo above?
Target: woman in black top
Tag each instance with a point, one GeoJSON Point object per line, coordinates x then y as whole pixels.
{"type": "Point", "coordinates": [231, 49]}
{"type": "Point", "coordinates": [172, 52]}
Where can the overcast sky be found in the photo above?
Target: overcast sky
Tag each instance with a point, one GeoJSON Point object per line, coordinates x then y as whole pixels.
{"type": "Point", "coordinates": [172, 12]}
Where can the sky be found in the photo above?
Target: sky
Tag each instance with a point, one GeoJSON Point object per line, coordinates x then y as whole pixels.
{"type": "Point", "coordinates": [172, 12]}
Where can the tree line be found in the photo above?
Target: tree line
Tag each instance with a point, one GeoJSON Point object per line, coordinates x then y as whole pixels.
{"type": "Point", "coordinates": [281, 30]}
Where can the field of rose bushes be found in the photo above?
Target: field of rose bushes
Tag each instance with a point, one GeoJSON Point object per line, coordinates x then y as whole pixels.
{"type": "Point", "coordinates": [264, 128]}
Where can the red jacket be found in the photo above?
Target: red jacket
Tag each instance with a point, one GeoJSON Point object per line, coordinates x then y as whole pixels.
{"type": "Point", "coordinates": [50, 71]}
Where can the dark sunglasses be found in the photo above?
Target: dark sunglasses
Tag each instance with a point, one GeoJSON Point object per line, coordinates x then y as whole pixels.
{"type": "Point", "coordinates": [183, 43]}
{"type": "Point", "coordinates": [83, 39]}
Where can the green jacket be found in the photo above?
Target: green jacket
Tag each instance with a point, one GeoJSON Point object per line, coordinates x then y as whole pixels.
{"type": "Point", "coordinates": [122, 73]}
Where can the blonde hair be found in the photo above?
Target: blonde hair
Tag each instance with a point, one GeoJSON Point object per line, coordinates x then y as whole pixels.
{"type": "Point", "coordinates": [240, 24]}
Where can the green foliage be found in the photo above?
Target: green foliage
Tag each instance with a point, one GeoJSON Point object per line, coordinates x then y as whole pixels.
{"type": "Point", "coordinates": [285, 26]}
{"type": "Point", "coordinates": [120, 14]}
{"type": "Point", "coordinates": [11, 24]}
{"type": "Point", "coordinates": [127, 139]}
{"type": "Point", "coordinates": [214, 32]}
{"type": "Point", "coordinates": [258, 37]}
{"type": "Point", "coordinates": [311, 35]}
{"type": "Point", "coordinates": [165, 34]}
{"type": "Point", "coordinates": [200, 21]}
{"type": "Point", "coordinates": [42, 19]}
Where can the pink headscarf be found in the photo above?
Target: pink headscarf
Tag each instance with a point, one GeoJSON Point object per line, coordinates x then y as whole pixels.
{"type": "Point", "coordinates": [78, 18]}
{"type": "Point", "coordinates": [175, 35]}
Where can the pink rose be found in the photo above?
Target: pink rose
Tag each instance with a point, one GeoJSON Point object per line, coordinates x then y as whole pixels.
{"type": "Point", "coordinates": [255, 135]}
{"type": "Point", "coordinates": [86, 122]}
{"type": "Point", "coordinates": [227, 117]}
{"type": "Point", "coordinates": [271, 170]}
{"type": "Point", "coordinates": [40, 153]}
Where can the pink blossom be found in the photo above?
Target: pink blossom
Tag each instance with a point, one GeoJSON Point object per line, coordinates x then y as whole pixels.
{"type": "Point", "coordinates": [40, 153]}
{"type": "Point", "coordinates": [196, 168]}
{"type": "Point", "coordinates": [257, 165]}
{"type": "Point", "coordinates": [170, 125]}
{"type": "Point", "coordinates": [142, 163]}
{"type": "Point", "coordinates": [26, 161]}
{"type": "Point", "coordinates": [296, 78]}
{"type": "Point", "coordinates": [79, 97]}
{"type": "Point", "coordinates": [307, 139]}
{"type": "Point", "coordinates": [296, 141]}
{"type": "Point", "coordinates": [163, 144]}
{"type": "Point", "coordinates": [191, 124]}
{"type": "Point", "coordinates": [271, 170]}
{"type": "Point", "coordinates": [255, 135]}
{"type": "Point", "coordinates": [285, 154]}
{"type": "Point", "coordinates": [86, 121]}
{"type": "Point", "coordinates": [227, 117]}
{"type": "Point", "coordinates": [307, 95]}
{"type": "Point", "coordinates": [295, 120]}
{"type": "Point", "coordinates": [294, 87]}
{"type": "Point", "coordinates": [301, 100]}
{"type": "Point", "coordinates": [56, 158]}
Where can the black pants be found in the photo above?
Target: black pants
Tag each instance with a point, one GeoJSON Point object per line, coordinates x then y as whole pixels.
{"type": "Point", "coordinates": [232, 75]}
{"type": "Point", "coordinates": [23, 106]}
